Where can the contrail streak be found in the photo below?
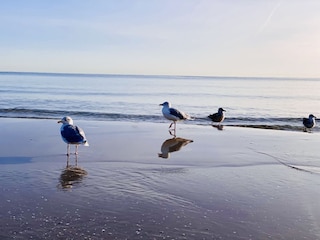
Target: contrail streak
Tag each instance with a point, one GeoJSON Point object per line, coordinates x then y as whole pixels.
{"type": "Point", "coordinates": [264, 25]}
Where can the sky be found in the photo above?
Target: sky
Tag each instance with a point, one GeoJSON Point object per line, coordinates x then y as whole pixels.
{"type": "Point", "coordinates": [243, 38]}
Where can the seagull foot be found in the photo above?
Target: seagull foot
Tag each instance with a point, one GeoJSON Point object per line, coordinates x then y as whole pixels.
{"type": "Point", "coordinates": [172, 132]}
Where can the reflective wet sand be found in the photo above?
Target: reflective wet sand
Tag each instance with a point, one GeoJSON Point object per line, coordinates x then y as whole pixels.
{"type": "Point", "coordinates": [231, 184]}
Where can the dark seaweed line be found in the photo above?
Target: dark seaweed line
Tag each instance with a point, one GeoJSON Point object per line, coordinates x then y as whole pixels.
{"type": "Point", "coordinates": [272, 127]}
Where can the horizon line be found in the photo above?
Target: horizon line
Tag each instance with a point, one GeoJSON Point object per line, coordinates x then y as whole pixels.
{"type": "Point", "coordinates": [148, 75]}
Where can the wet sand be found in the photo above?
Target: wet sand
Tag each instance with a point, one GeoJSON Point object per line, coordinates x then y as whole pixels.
{"type": "Point", "coordinates": [136, 182]}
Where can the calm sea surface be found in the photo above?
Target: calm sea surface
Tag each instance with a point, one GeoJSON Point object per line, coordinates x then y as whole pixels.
{"type": "Point", "coordinates": [249, 102]}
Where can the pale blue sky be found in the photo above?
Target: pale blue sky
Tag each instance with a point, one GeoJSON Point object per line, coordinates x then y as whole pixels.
{"type": "Point", "coordinates": [269, 38]}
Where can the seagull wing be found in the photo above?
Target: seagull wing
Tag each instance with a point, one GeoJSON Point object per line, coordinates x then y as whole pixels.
{"type": "Point", "coordinates": [215, 117]}
{"type": "Point", "coordinates": [176, 113]}
{"type": "Point", "coordinates": [71, 134]}
{"type": "Point", "coordinates": [307, 123]}
{"type": "Point", "coordinates": [82, 134]}
{"type": "Point", "coordinates": [80, 131]}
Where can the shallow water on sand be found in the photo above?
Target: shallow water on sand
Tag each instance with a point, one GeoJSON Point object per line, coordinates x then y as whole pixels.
{"type": "Point", "coordinates": [158, 202]}
{"type": "Point", "coordinates": [230, 184]}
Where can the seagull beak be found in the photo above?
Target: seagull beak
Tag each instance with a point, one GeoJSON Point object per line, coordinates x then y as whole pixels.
{"type": "Point", "coordinates": [59, 121]}
{"type": "Point", "coordinates": [161, 104]}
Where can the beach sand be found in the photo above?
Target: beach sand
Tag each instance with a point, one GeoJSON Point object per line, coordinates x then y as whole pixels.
{"type": "Point", "coordinates": [237, 183]}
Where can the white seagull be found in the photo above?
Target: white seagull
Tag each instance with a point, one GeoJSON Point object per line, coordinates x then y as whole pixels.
{"type": "Point", "coordinates": [72, 134]}
{"type": "Point", "coordinates": [309, 122]}
{"type": "Point", "coordinates": [173, 114]}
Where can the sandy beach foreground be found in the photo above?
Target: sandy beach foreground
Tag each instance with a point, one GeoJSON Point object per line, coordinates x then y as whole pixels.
{"type": "Point", "coordinates": [136, 181]}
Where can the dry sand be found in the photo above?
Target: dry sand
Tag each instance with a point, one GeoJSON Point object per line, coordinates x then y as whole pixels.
{"type": "Point", "coordinates": [231, 184]}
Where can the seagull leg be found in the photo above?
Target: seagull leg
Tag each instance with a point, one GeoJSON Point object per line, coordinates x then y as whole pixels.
{"type": "Point", "coordinates": [172, 132]}
{"type": "Point", "coordinates": [171, 124]}
{"type": "Point", "coordinates": [68, 149]}
{"type": "Point", "coordinates": [76, 152]}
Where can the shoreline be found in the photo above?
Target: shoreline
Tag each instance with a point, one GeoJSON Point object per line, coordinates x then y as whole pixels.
{"type": "Point", "coordinates": [296, 123]}
{"type": "Point", "coordinates": [232, 184]}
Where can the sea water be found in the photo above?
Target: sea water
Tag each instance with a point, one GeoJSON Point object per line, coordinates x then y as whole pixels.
{"type": "Point", "coordinates": [249, 102]}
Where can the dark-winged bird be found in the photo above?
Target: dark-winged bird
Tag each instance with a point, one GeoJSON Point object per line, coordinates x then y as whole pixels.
{"type": "Point", "coordinates": [72, 134]}
{"type": "Point", "coordinates": [219, 116]}
{"type": "Point", "coordinates": [309, 122]}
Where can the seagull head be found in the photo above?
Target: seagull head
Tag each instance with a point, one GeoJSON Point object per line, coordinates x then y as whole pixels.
{"type": "Point", "coordinates": [220, 110]}
{"type": "Point", "coordinates": [66, 120]}
{"type": "Point", "coordinates": [166, 104]}
{"type": "Point", "coordinates": [311, 116]}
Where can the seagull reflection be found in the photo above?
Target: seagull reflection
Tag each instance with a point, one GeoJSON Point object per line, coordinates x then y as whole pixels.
{"type": "Point", "coordinates": [71, 175]}
{"type": "Point", "coordinates": [218, 127]}
{"type": "Point", "coordinates": [172, 145]}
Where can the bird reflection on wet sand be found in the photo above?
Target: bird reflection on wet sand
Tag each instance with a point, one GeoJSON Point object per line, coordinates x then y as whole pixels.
{"type": "Point", "coordinates": [173, 145]}
{"type": "Point", "coordinates": [218, 127]}
{"type": "Point", "coordinates": [71, 175]}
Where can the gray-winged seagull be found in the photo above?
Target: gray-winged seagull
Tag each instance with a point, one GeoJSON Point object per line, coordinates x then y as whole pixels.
{"type": "Point", "coordinates": [173, 114]}
{"type": "Point", "coordinates": [72, 134]}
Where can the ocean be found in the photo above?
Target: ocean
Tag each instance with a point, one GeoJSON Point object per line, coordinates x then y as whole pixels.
{"type": "Point", "coordinates": [267, 103]}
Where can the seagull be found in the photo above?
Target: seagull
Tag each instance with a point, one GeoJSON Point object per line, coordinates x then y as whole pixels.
{"type": "Point", "coordinates": [72, 134]}
{"type": "Point", "coordinates": [218, 117]}
{"type": "Point", "coordinates": [309, 122]}
{"type": "Point", "coordinates": [173, 114]}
